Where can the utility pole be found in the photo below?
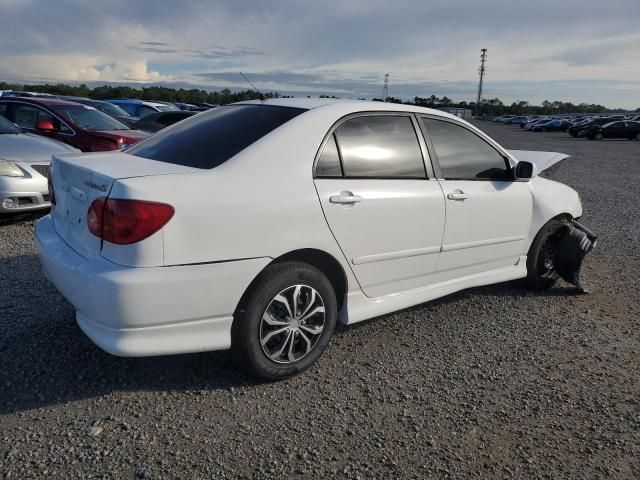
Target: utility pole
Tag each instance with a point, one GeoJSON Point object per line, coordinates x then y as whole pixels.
{"type": "Point", "coordinates": [482, 70]}
{"type": "Point", "coordinates": [385, 89]}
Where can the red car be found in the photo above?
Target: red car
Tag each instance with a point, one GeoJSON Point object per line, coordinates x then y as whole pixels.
{"type": "Point", "coordinates": [80, 126]}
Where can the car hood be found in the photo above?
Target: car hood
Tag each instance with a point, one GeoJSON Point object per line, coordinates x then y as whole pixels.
{"type": "Point", "coordinates": [128, 136]}
{"type": "Point", "coordinates": [547, 162]}
{"type": "Point", "coordinates": [27, 147]}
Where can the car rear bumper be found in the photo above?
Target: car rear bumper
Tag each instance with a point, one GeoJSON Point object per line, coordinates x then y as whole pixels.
{"type": "Point", "coordinates": [147, 311]}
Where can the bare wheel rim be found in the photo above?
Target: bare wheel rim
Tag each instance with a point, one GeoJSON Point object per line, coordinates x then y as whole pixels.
{"type": "Point", "coordinates": [292, 324]}
{"type": "Point", "coordinates": [547, 257]}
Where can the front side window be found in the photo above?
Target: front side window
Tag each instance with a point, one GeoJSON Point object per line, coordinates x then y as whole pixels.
{"type": "Point", "coordinates": [383, 146]}
{"type": "Point", "coordinates": [463, 155]}
{"type": "Point", "coordinates": [211, 138]}
{"type": "Point", "coordinates": [28, 116]}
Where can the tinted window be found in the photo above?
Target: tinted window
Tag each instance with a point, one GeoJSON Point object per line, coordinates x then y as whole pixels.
{"type": "Point", "coordinates": [144, 111]}
{"type": "Point", "coordinates": [111, 109]}
{"type": "Point", "coordinates": [27, 116]}
{"type": "Point", "coordinates": [380, 146]}
{"type": "Point", "coordinates": [329, 160]}
{"type": "Point", "coordinates": [211, 138]}
{"type": "Point", "coordinates": [462, 155]}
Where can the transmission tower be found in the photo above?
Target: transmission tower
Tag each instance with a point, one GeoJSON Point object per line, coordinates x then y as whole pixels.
{"type": "Point", "coordinates": [385, 89]}
{"type": "Point", "coordinates": [482, 70]}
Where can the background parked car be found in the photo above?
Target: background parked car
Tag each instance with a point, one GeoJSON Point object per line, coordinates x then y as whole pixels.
{"type": "Point", "coordinates": [619, 129]}
{"type": "Point", "coordinates": [141, 108]}
{"type": "Point", "coordinates": [157, 121]}
{"type": "Point", "coordinates": [80, 126]}
{"type": "Point", "coordinates": [552, 126]}
{"type": "Point", "coordinates": [105, 107]}
{"type": "Point", "coordinates": [503, 118]}
{"type": "Point", "coordinates": [24, 165]}
{"type": "Point", "coordinates": [517, 120]}
{"type": "Point", "coordinates": [579, 129]}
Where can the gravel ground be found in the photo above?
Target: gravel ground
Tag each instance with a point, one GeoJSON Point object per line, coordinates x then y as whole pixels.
{"type": "Point", "coordinates": [493, 382]}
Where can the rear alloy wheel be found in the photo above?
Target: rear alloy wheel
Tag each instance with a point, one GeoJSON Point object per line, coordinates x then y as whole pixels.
{"type": "Point", "coordinates": [286, 322]}
{"type": "Point", "coordinates": [638, 137]}
{"type": "Point", "coordinates": [598, 136]}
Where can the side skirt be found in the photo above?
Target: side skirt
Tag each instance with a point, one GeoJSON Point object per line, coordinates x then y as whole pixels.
{"type": "Point", "coordinates": [359, 307]}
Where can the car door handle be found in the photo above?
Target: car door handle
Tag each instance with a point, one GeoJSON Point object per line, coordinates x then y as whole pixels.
{"type": "Point", "coordinates": [345, 198]}
{"type": "Point", "coordinates": [457, 195]}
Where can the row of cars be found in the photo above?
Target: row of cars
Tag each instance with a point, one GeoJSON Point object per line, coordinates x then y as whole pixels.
{"type": "Point", "coordinates": [34, 127]}
{"type": "Point", "coordinates": [591, 127]}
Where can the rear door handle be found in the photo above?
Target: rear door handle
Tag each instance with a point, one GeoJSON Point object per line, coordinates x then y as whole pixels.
{"type": "Point", "coordinates": [345, 198]}
{"type": "Point", "coordinates": [457, 195]}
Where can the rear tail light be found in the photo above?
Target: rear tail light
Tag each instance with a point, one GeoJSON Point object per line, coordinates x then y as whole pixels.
{"type": "Point", "coordinates": [124, 222]}
{"type": "Point", "coordinates": [52, 195]}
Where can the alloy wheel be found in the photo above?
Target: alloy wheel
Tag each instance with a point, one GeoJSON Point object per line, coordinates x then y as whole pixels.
{"type": "Point", "coordinates": [292, 324]}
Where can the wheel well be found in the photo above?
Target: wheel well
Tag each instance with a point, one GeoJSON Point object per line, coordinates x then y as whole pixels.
{"type": "Point", "coordinates": [324, 262]}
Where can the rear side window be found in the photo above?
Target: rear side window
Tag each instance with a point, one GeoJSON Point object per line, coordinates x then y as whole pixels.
{"type": "Point", "coordinates": [462, 155]}
{"type": "Point", "coordinates": [384, 146]}
{"type": "Point", "coordinates": [329, 160]}
{"type": "Point", "coordinates": [210, 139]}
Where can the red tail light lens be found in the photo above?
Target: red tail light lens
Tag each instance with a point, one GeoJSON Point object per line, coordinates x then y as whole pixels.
{"type": "Point", "coordinates": [52, 195]}
{"type": "Point", "coordinates": [124, 222]}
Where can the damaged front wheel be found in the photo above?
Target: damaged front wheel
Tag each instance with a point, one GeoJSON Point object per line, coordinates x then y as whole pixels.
{"type": "Point", "coordinates": [558, 251]}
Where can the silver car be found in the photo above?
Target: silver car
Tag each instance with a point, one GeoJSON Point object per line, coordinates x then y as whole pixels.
{"type": "Point", "coordinates": [24, 165]}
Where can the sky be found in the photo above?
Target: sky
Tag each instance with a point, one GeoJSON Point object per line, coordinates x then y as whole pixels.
{"type": "Point", "coordinates": [578, 51]}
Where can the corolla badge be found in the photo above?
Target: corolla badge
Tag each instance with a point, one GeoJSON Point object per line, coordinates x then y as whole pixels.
{"type": "Point", "coordinates": [101, 187]}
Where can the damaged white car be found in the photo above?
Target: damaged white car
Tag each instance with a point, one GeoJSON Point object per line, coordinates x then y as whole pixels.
{"type": "Point", "coordinates": [260, 225]}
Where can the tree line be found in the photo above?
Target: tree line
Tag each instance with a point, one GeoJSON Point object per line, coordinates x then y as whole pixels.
{"type": "Point", "coordinates": [487, 107]}
{"type": "Point", "coordinates": [495, 106]}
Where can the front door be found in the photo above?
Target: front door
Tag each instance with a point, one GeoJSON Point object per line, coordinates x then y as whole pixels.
{"type": "Point", "coordinates": [488, 214]}
{"type": "Point", "coordinates": [386, 215]}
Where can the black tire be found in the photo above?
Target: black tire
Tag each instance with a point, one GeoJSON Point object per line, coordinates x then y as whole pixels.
{"type": "Point", "coordinates": [638, 137]}
{"type": "Point", "coordinates": [598, 136]}
{"type": "Point", "coordinates": [541, 273]}
{"type": "Point", "coordinates": [246, 330]}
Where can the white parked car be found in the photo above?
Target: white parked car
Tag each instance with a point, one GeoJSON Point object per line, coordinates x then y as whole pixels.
{"type": "Point", "coordinates": [259, 225]}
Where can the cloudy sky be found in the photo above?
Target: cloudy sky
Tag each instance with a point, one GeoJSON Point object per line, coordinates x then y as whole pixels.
{"type": "Point", "coordinates": [573, 50]}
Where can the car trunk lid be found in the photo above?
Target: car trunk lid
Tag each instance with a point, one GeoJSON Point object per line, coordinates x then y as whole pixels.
{"type": "Point", "coordinates": [80, 179]}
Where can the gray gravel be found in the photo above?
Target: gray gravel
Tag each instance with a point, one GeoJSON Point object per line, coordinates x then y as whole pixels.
{"type": "Point", "coordinates": [494, 382]}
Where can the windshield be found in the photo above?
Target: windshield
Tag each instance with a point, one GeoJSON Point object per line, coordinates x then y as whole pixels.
{"type": "Point", "coordinates": [113, 110]}
{"type": "Point", "coordinates": [211, 138]}
{"type": "Point", "coordinates": [88, 118]}
{"type": "Point", "coordinates": [7, 127]}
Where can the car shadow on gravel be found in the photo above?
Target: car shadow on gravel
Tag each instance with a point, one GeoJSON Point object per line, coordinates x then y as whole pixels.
{"type": "Point", "coordinates": [14, 218]}
{"type": "Point", "coordinates": [45, 359]}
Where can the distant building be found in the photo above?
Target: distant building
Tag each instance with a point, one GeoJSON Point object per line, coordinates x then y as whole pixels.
{"type": "Point", "coordinates": [464, 113]}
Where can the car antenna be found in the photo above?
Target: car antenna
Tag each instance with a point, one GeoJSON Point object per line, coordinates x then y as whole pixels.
{"type": "Point", "coordinates": [254, 87]}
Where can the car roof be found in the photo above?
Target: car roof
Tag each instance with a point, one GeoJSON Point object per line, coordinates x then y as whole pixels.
{"type": "Point", "coordinates": [345, 104]}
{"type": "Point", "coordinates": [39, 101]}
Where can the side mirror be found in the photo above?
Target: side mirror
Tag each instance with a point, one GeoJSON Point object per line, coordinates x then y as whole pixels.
{"type": "Point", "coordinates": [525, 171]}
{"type": "Point", "coordinates": [45, 125]}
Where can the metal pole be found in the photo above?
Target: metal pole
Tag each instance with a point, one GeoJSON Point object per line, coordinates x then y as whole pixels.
{"type": "Point", "coordinates": [483, 69]}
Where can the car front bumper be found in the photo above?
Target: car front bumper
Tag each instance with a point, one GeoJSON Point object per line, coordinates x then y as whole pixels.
{"type": "Point", "coordinates": [21, 194]}
{"type": "Point", "coordinates": [147, 311]}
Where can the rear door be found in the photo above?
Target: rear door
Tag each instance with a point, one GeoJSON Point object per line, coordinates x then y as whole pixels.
{"type": "Point", "coordinates": [384, 210]}
{"type": "Point", "coordinates": [488, 214]}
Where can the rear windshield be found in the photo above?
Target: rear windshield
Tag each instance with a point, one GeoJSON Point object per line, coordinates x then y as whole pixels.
{"type": "Point", "coordinates": [211, 138]}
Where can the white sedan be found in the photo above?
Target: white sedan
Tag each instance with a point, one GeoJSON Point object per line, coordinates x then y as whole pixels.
{"type": "Point", "coordinates": [260, 225]}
